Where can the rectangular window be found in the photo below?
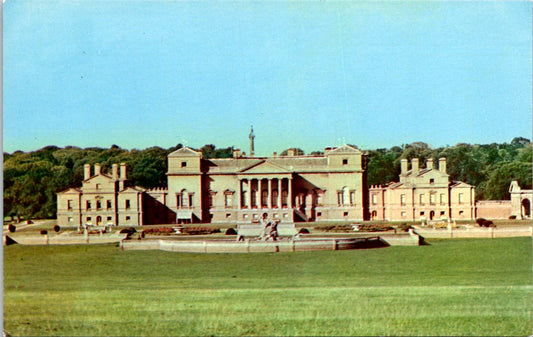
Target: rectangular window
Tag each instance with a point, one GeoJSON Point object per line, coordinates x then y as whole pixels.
{"type": "Point", "coordinates": [345, 213]}
{"type": "Point", "coordinates": [442, 213]}
{"type": "Point", "coordinates": [318, 214]}
{"type": "Point", "coordinates": [69, 205]}
{"type": "Point", "coordinates": [345, 162]}
{"type": "Point", "coordinates": [109, 218]}
{"type": "Point", "coordinates": [128, 218]}
{"type": "Point", "coordinates": [190, 200]}
{"type": "Point", "coordinates": [374, 199]}
{"type": "Point", "coordinates": [109, 205]}
{"type": "Point", "coordinates": [404, 213]}
{"type": "Point", "coordinates": [431, 181]}
{"type": "Point", "coordinates": [98, 205]}
{"type": "Point", "coordinates": [441, 199]}
{"type": "Point", "coordinates": [178, 200]}
{"type": "Point", "coordinates": [70, 219]}
{"type": "Point", "coordinates": [183, 164]}
{"type": "Point", "coordinates": [402, 199]}
{"type": "Point", "coordinates": [88, 218]}
{"type": "Point", "coordinates": [228, 215]}
{"type": "Point", "coordinates": [461, 198]}
{"type": "Point", "coordinates": [88, 204]}
{"type": "Point", "coordinates": [352, 198]}
{"type": "Point", "coordinates": [432, 197]}
{"type": "Point", "coordinates": [421, 199]}
{"type": "Point", "coordinates": [228, 200]}
{"type": "Point", "coordinates": [97, 186]}
{"type": "Point", "coordinates": [128, 204]}
{"type": "Point", "coordinates": [340, 200]}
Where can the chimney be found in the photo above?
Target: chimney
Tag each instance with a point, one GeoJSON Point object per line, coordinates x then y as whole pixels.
{"type": "Point", "coordinates": [404, 166]}
{"type": "Point", "coordinates": [115, 171]}
{"type": "Point", "coordinates": [86, 171]}
{"type": "Point", "coordinates": [123, 171]}
{"type": "Point", "coordinates": [97, 169]}
{"type": "Point", "coordinates": [442, 164]}
{"type": "Point", "coordinates": [290, 152]}
{"type": "Point", "coordinates": [414, 165]}
{"type": "Point", "coordinates": [236, 153]}
{"type": "Point", "coordinates": [275, 154]}
{"type": "Point", "coordinates": [429, 163]}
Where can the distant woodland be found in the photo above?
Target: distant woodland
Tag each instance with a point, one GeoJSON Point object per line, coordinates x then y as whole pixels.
{"type": "Point", "coordinates": [32, 179]}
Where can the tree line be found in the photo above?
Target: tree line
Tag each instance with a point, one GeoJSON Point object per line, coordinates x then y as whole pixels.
{"type": "Point", "coordinates": [32, 179]}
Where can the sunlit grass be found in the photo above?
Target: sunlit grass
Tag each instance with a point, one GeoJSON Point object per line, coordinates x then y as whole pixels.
{"type": "Point", "coordinates": [452, 287]}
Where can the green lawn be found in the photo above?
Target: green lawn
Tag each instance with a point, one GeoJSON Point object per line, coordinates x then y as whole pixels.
{"type": "Point", "coordinates": [450, 287]}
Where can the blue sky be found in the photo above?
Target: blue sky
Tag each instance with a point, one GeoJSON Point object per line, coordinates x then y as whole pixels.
{"type": "Point", "coordinates": [306, 74]}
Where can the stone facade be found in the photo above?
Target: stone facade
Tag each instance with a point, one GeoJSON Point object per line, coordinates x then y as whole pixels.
{"type": "Point", "coordinates": [422, 194]}
{"type": "Point", "coordinates": [289, 188]}
{"type": "Point", "coordinates": [109, 200]}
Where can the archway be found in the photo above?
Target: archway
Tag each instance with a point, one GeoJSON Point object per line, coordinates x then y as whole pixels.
{"type": "Point", "coordinates": [431, 215]}
{"type": "Point", "coordinates": [98, 221]}
{"type": "Point", "coordinates": [374, 215]}
{"type": "Point", "coordinates": [526, 208]}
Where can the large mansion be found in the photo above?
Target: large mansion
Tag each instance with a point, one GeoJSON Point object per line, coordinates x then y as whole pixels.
{"type": "Point", "coordinates": [289, 188]}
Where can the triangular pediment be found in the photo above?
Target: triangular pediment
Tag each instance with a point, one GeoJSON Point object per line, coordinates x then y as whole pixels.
{"type": "Point", "coordinates": [99, 178]}
{"type": "Point", "coordinates": [265, 167]}
{"type": "Point", "coordinates": [345, 149]}
{"type": "Point", "coordinates": [460, 184]}
{"type": "Point", "coordinates": [185, 152]}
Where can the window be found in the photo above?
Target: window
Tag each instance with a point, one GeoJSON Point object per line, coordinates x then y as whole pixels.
{"type": "Point", "coordinates": [190, 200]}
{"type": "Point", "coordinates": [70, 219]}
{"type": "Point", "coordinates": [128, 218]}
{"type": "Point", "coordinates": [228, 215]}
{"type": "Point", "coordinates": [431, 181]}
{"type": "Point", "coordinates": [432, 197]}
{"type": "Point", "coordinates": [402, 199]}
{"type": "Point", "coordinates": [245, 216]}
{"type": "Point", "coordinates": [178, 200]}
{"type": "Point", "coordinates": [183, 164]}
{"type": "Point", "coordinates": [346, 195]}
{"type": "Point", "coordinates": [339, 199]}
{"type": "Point", "coordinates": [461, 212]}
{"type": "Point", "coordinates": [319, 199]}
{"type": "Point", "coordinates": [442, 213]}
{"type": "Point", "coordinates": [421, 199]}
{"type": "Point", "coordinates": [352, 198]}
{"type": "Point", "coordinates": [276, 215]}
{"type": "Point", "coordinates": [88, 204]}
{"type": "Point", "coordinates": [441, 198]}
{"type": "Point", "coordinates": [98, 205]}
{"type": "Point", "coordinates": [461, 198]}
{"type": "Point", "coordinates": [285, 215]}
{"type": "Point", "coordinates": [69, 205]}
{"type": "Point", "coordinates": [345, 213]}
{"type": "Point", "coordinates": [422, 213]}
{"type": "Point", "coordinates": [128, 204]}
{"type": "Point", "coordinates": [228, 202]}
{"type": "Point", "coordinates": [88, 218]}
{"type": "Point", "coordinates": [345, 162]}
{"type": "Point", "coordinates": [109, 205]}
{"type": "Point", "coordinates": [109, 218]}
{"type": "Point", "coordinates": [318, 214]}
{"type": "Point", "coordinates": [404, 213]}
{"type": "Point", "coordinates": [97, 186]}
{"type": "Point", "coordinates": [374, 199]}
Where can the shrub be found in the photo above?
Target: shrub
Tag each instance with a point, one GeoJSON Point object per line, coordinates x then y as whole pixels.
{"type": "Point", "coordinates": [404, 227]}
{"type": "Point", "coordinates": [129, 231]}
{"type": "Point", "coordinates": [231, 231]}
{"type": "Point", "coordinates": [488, 223]}
{"type": "Point", "coordinates": [512, 217]}
{"type": "Point", "coordinates": [44, 232]}
{"type": "Point", "coordinates": [200, 230]}
{"type": "Point", "coordinates": [57, 228]}
{"type": "Point", "coordinates": [480, 221]}
{"type": "Point", "coordinates": [304, 231]}
{"type": "Point", "coordinates": [374, 228]}
{"type": "Point", "coordinates": [159, 230]}
{"type": "Point", "coordinates": [12, 228]}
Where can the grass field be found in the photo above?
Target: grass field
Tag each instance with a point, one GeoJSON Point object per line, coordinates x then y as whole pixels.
{"type": "Point", "coordinates": [450, 287]}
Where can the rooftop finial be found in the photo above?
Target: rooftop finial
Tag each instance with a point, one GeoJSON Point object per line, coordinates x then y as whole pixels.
{"type": "Point", "coordinates": [251, 136]}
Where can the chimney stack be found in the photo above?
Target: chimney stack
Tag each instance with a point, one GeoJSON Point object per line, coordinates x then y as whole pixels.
{"type": "Point", "coordinates": [115, 171]}
{"type": "Point", "coordinates": [414, 165]}
{"type": "Point", "coordinates": [123, 171]}
{"type": "Point", "coordinates": [86, 171]}
{"type": "Point", "coordinates": [97, 169]}
{"type": "Point", "coordinates": [442, 164]}
{"type": "Point", "coordinates": [236, 153]}
{"type": "Point", "coordinates": [275, 154]}
{"type": "Point", "coordinates": [429, 163]}
{"type": "Point", "coordinates": [404, 166]}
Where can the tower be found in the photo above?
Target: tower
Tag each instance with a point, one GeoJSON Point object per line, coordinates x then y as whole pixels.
{"type": "Point", "coordinates": [251, 136]}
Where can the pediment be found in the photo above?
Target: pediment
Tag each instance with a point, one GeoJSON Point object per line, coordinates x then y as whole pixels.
{"type": "Point", "coordinates": [102, 178]}
{"type": "Point", "coordinates": [185, 152]}
{"type": "Point", "coordinates": [265, 167]}
{"type": "Point", "coordinates": [344, 149]}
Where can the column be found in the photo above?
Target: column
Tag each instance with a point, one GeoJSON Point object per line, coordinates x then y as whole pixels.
{"type": "Point", "coordinates": [279, 193]}
{"type": "Point", "coordinates": [250, 193]}
{"type": "Point", "coordinates": [289, 192]}
{"type": "Point", "coordinates": [258, 194]}
{"type": "Point", "coordinates": [269, 199]}
{"type": "Point", "coordinates": [239, 195]}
